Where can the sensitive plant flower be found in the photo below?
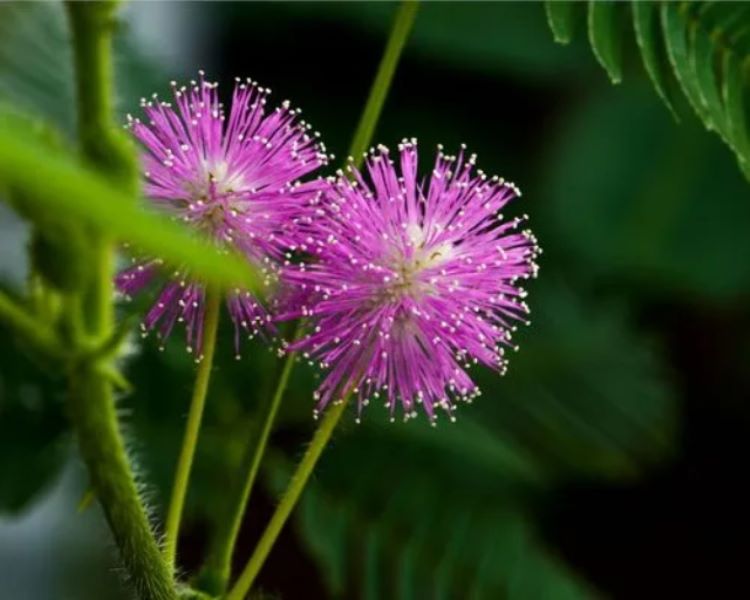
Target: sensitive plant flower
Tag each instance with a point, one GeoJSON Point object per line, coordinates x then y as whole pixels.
{"type": "Point", "coordinates": [235, 179]}
{"type": "Point", "coordinates": [412, 281]}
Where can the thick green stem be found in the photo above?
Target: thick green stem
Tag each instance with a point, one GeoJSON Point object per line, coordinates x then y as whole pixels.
{"type": "Point", "coordinates": [93, 413]}
{"type": "Point", "coordinates": [103, 145]}
{"type": "Point", "coordinates": [218, 569]}
{"type": "Point", "coordinates": [402, 25]}
{"type": "Point", "coordinates": [92, 23]}
{"type": "Point", "coordinates": [289, 500]}
{"type": "Point", "coordinates": [92, 406]}
{"type": "Point", "coordinates": [192, 428]}
{"type": "Point", "coordinates": [92, 52]}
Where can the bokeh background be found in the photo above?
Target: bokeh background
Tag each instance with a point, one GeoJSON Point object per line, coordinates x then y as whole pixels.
{"type": "Point", "coordinates": [609, 463]}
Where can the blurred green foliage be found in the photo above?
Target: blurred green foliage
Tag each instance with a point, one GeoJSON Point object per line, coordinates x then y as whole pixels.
{"type": "Point", "coordinates": [631, 209]}
{"type": "Point", "coordinates": [675, 220]}
{"type": "Point", "coordinates": [60, 189]}
{"type": "Point", "coordinates": [34, 440]}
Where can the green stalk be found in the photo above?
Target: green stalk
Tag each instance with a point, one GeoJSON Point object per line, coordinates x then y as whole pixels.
{"type": "Point", "coordinates": [92, 410]}
{"type": "Point", "coordinates": [104, 147]}
{"type": "Point", "coordinates": [402, 25]}
{"type": "Point", "coordinates": [218, 569]}
{"type": "Point", "coordinates": [289, 500]}
{"type": "Point", "coordinates": [192, 429]}
{"type": "Point", "coordinates": [92, 53]}
{"type": "Point", "coordinates": [92, 37]}
{"type": "Point", "coordinates": [92, 407]}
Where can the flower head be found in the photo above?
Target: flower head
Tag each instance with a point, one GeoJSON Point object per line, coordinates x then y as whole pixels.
{"type": "Point", "coordinates": [411, 281]}
{"type": "Point", "coordinates": [234, 178]}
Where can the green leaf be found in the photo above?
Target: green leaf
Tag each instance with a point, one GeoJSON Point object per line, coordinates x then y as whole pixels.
{"type": "Point", "coordinates": [416, 547]}
{"type": "Point", "coordinates": [703, 46]}
{"type": "Point", "coordinates": [560, 18]}
{"type": "Point", "coordinates": [36, 64]}
{"type": "Point", "coordinates": [735, 100]}
{"type": "Point", "coordinates": [56, 245]}
{"type": "Point", "coordinates": [541, 576]}
{"type": "Point", "coordinates": [454, 517]}
{"type": "Point", "coordinates": [54, 182]}
{"type": "Point", "coordinates": [727, 18]}
{"type": "Point", "coordinates": [676, 36]}
{"type": "Point", "coordinates": [35, 61]}
{"type": "Point", "coordinates": [605, 35]}
{"type": "Point", "coordinates": [647, 27]}
{"type": "Point", "coordinates": [704, 63]}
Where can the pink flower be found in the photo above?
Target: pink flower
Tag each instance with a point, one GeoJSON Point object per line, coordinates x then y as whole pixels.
{"type": "Point", "coordinates": [411, 281]}
{"type": "Point", "coordinates": [235, 179]}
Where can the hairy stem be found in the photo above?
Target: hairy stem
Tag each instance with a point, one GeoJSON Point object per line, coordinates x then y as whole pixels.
{"type": "Point", "coordinates": [402, 25]}
{"type": "Point", "coordinates": [92, 406]}
{"type": "Point", "coordinates": [288, 501]}
{"type": "Point", "coordinates": [93, 413]}
{"type": "Point", "coordinates": [192, 429]}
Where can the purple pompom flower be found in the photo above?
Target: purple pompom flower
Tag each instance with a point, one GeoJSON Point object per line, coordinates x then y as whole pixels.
{"type": "Point", "coordinates": [235, 179]}
{"type": "Point", "coordinates": [411, 281]}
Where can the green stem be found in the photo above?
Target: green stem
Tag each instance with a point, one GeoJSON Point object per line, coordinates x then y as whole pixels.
{"type": "Point", "coordinates": [92, 405]}
{"type": "Point", "coordinates": [93, 413]}
{"type": "Point", "coordinates": [104, 147]}
{"type": "Point", "coordinates": [289, 500]}
{"type": "Point", "coordinates": [192, 428]}
{"type": "Point", "coordinates": [92, 23]}
{"type": "Point", "coordinates": [218, 569]}
{"type": "Point", "coordinates": [402, 25]}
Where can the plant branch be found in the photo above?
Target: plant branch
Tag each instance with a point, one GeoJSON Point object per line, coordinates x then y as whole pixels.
{"type": "Point", "coordinates": [24, 323]}
{"type": "Point", "coordinates": [192, 429]}
{"type": "Point", "coordinates": [92, 405]}
{"type": "Point", "coordinates": [93, 413]}
{"type": "Point", "coordinates": [289, 500]}
{"type": "Point", "coordinates": [402, 25]}
{"type": "Point", "coordinates": [102, 145]}
{"type": "Point", "coordinates": [218, 569]}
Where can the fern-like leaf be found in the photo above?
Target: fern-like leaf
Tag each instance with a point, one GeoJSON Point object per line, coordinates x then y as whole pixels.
{"type": "Point", "coordinates": [405, 510]}
{"type": "Point", "coordinates": [699, 48]}
{"type": "Point", "coordinates": [605, 34]}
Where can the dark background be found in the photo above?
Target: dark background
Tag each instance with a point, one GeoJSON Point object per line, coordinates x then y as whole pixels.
{"type": "Point", "coordinates": [609, 462]}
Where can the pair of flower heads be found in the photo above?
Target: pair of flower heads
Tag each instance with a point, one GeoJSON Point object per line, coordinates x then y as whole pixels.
{"type": "Point", "coordinates": [401, 281]}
